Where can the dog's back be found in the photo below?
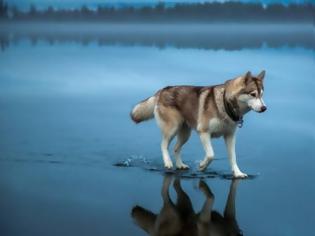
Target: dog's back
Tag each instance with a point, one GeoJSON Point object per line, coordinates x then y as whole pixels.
{"type": "Point", "coordinates": [182, 100]}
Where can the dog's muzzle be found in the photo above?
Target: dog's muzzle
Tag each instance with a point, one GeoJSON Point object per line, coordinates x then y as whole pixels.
{"type": "Point", "coordinates": [262, 109]}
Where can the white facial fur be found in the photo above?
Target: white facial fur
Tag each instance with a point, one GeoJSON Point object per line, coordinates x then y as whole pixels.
{"type": "Point", "coordinates": [253, 103]}
{"type": "Point", "coordinates": [256, 104]}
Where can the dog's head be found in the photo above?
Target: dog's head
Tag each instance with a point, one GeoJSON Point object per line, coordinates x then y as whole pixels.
{"type": "Point", "coordinates": [252, 91]}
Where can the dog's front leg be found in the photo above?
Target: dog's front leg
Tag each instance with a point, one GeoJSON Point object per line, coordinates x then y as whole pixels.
{"type": "Point", "coordinates": [230, 145]}
{"type": "Point", "coordinates": [206, 142]}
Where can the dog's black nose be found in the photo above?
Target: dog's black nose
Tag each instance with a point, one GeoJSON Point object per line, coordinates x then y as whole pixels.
{"type": "Point", "coordinates": [263, 108]}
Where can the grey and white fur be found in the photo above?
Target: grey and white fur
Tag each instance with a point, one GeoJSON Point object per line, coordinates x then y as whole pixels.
{"type": "Point", "coordinates": [213, 111]}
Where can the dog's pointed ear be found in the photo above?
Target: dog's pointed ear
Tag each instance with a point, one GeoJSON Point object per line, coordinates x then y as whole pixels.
{"type": "Point", "coordinates": [261, 75]}
{"type": "Point", "coordinates": [247, 76]}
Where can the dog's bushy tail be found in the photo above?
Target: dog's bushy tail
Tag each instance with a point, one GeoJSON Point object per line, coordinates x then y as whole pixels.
{"type": "Point", "coordinates": [143, 110]}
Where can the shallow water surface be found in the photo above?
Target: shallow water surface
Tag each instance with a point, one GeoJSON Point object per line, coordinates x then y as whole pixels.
{"type": "Point", "coordinates": [73, 163]}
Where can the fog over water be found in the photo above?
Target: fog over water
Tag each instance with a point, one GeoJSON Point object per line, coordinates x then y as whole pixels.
{"type": "Point", "coordinates": [202, 36]}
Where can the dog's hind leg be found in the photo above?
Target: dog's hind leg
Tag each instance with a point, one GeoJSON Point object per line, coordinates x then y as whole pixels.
{"type": "Point", "coordinates": [169, 121]}
{"type": "Point", "coordinates": [167, 138]}
{"type": "Point", "coordinates": [182, 137]}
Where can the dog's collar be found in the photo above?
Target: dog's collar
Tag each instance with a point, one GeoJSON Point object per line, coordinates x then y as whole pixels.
{"type": "Point", "coordinates": [232, 110]}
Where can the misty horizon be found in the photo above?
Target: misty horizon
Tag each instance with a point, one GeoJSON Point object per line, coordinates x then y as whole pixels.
{"type": "Point", "coordinates": [198, 36]}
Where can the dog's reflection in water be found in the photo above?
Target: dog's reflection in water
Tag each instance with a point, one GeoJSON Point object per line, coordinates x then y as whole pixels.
{"type": "Point", "coordinates": [180, 219]}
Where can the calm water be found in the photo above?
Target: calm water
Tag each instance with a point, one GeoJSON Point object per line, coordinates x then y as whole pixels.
{"type": "Point", "coordinates": [64, 124]}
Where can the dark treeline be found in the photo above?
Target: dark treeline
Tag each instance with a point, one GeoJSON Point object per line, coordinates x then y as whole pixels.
{"type": "Point", "coordinates": [200, 12]}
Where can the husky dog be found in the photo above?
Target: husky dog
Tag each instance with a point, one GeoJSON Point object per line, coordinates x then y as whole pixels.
{"type": "Point", "coordinates": [180, 218]}
{"type": "Point", "coordinates": [213, 111]}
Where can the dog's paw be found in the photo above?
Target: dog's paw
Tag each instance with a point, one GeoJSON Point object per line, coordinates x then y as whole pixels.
{"type": "Point", "coordinates": [168, 165]}
{"type": "Point", "coordinates": [202, 167]}
{"type": "Point", "coordinates": [204, 164]}
{"type": "Point", "coordinates": [182, 166]}
{"type": "Point", "coordinates": [239, 175]}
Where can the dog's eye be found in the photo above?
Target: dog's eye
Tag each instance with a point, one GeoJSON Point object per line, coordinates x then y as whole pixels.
{"type": "Point", "coordinates": [253, 94]}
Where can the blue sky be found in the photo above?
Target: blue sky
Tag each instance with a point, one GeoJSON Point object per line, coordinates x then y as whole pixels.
{"type": "Point", "coordinates": [93, 3]}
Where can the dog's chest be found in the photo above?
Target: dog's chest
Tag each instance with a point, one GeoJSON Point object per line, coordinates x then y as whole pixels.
{"type": "Point", "coordinates": [218, 127]}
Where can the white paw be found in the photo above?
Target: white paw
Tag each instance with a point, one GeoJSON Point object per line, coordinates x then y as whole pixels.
{"type": "Point", "coordinates": [182, 166]}
{"type": "Point", "coordinates": [168, 165]}
{"type": "Point", "coordinates": [239, 174]}
{"type": "Point", "coordinates": [204, 163]}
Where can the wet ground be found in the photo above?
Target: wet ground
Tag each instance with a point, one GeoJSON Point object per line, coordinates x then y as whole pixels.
{"type": "Point", "coordinates": [73, 163]}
